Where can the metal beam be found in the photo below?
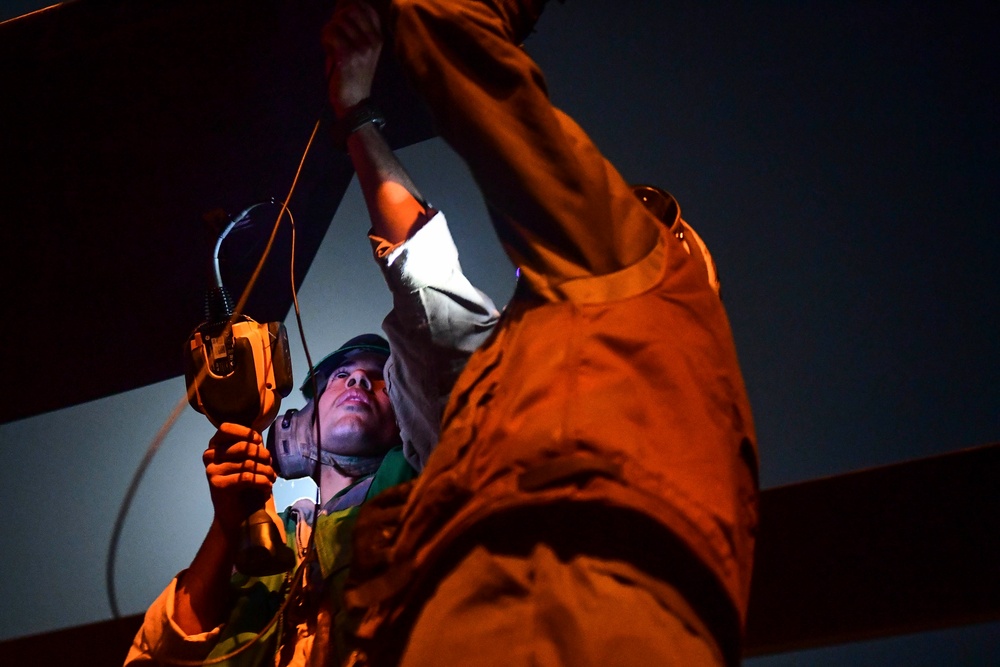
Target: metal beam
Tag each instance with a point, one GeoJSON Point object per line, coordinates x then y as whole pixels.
{"type": "Point", "coordinates": [905, 548]}
{"type": "Point", "coordinates": [126, 124]}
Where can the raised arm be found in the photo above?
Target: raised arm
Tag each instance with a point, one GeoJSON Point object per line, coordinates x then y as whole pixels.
{"type": "Point", "coordinates": [438, 318]}
{"type": "Point", "coordinates": [353, 42]}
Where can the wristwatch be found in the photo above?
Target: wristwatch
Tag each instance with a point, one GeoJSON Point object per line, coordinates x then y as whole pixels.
{"type": "Point", "coordinates": [354, 119]}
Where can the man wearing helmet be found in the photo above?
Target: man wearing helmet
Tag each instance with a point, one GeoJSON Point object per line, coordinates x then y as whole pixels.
{"type": "Point", "coordinates": [371, 420]}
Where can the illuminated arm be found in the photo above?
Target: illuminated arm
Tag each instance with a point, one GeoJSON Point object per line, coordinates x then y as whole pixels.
{"type": "Point", "coordinates": [353, 42]}
{"type": "Point", "coordinates": [183, 623]}
{"type": "Point", "coordinates": [438, 318]}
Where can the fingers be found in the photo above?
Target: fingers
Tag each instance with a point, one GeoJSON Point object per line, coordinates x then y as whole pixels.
{"type": "Point", "coordinates": [365, 26]}
{"type": "Point", "coordinates": [354, 27]}
{"type": "Point", "coordinates": [240, 475]}
{"type": "Point", "coordinates": [353, 43]}
{"type": "Point", "coordinates": [235, 432]}
{"type": "Point", "coordinates": [237, 457]}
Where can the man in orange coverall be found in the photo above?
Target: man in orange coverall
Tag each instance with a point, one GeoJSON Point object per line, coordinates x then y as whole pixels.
{"type": "Point", "coordinates": [592, 499]}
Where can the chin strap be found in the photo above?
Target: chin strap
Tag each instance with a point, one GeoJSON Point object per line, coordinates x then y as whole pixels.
{"type": "Point", "coordinates": [292, 444]}
{"type": "Point", "coordinates": [352, 466]}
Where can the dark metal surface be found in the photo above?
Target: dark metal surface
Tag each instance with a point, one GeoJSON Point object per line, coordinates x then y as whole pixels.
{"type": "Point", "coordinates": [125, 128]}
{"type": "Point", "coordinates": [905, 548]}
{"type": "Point", "coordinates": [901, 549]}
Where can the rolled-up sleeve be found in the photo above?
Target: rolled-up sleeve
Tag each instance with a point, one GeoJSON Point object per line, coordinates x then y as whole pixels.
{"type": "Point", "coordinates": [160, 640]}
{"type": "Point", "coordinates": [437, 321]}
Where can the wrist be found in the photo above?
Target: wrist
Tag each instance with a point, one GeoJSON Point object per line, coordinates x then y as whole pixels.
{"type": "Point", "coordinates": [228, 531]}
{"type": "Point", "coordinates": [343, 106]}
{"type": "Point", "coordinates": [355, 117]}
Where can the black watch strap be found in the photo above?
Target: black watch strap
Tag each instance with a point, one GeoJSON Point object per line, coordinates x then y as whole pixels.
{"type": "Point", "coordinates": [357, 117]}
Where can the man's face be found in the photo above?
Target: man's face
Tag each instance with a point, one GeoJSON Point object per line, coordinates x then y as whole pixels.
{"type": "Point", "coordinates": [356, 417]}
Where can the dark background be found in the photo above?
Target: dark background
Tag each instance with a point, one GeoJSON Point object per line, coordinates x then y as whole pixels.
{"type": "Point", "coordinates": [840, 161]}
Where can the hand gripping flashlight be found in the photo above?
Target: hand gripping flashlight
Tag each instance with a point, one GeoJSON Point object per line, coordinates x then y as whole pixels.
{"type": "Point", "coordinates": [237, 371]}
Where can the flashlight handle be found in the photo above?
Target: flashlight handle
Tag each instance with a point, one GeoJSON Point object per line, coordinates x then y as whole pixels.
{"type": "Point", "coordinates": [262, 550]}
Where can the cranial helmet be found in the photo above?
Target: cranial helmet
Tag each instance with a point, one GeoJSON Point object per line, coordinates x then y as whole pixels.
{"type": "Point", "coordinates": [292, 438]}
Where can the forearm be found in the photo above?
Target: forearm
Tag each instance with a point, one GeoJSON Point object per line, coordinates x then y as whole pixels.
{"type": "Point", "coordinates": [202, 598]}
{"type": "Point", "coordinates": [182, 624]}
{"type": "Point", "coordinates": [353, 41]}
{"type": "Point", "coordinates": [395, 206]}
